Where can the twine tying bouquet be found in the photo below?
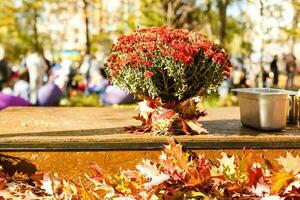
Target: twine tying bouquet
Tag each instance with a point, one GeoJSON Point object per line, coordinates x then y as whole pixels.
{"type": "Point", "coordinates": [171, 69]}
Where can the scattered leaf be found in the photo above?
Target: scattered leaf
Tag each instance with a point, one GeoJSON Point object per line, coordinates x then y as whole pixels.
{"type": "Point", "coordinates": [290, 163]}
{"type": "Point", "coordinates": [280, 180]}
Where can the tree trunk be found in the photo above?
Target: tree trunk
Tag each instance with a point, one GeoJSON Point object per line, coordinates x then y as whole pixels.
{"type": "Point", "coordinates": [170, 14]}
{"type": "Point", "coordinates": [87, 31]}
{"type": "Point", "coordinates": [294, 27]}
{"type": "Point", "coordinates": [209, 17]}
{"type": "Point", "coordinates": [261, 83]}
{"type": "Point", "coordinates": [222, 9]}
{"type": "Point", "coordinates": [35, 31]}
{"type": "Point", "coordinates": [101, 17]}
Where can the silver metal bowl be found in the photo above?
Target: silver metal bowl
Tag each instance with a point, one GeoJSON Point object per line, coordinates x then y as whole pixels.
{"type": "Point", "coordinates": [263, 108]}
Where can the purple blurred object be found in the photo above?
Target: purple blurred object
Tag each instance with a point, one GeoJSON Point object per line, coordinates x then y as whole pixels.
{"type": "Point", "coordinates": [98, 87]}
{"type": "Point", "coordinates": [9, 100]}
{"type": "Point", "coordinates": [115, 95]}
{"type": "Point", "coordinates": [49, 95]}
{"type": "Point", "coordinates": [105, 83]}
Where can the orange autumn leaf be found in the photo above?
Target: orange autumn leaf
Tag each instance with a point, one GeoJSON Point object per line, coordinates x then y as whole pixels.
{"type": "Point", "coordinates": [234, 187]}
{"type": "Point", "coordinates": [195, 177]}
{"type": "Point", "coordinates": [86, 195]}
{"type": "Point", "coordinates": [280, 180]}
{"type": "Point", "coordinates": [185, 128]}
{"type": "Point", "coordinates": [38, 176]}
{"type": "Point", "coordinates": [244, 163]}
{"type": "Point", "coordinates": [187, 107]}
{"type": "Point", "coordinates": [3, 183]}
{"type": "Point", "coordinates": [175, 150]}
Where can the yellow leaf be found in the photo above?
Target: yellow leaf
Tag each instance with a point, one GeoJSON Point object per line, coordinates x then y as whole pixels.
{"type": "Point", "coordinates": [244, 163]}
{"type": "Point", "coordinates": [174, 150]}
{"type": "Point", "coordinates": [280, 180]}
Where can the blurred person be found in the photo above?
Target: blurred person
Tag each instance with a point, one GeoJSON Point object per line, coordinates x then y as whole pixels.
{"type": "Point", "coordinates": [84, 70]}
{"type": "Point", "coordinates": [90, 70]}
{"type": "Point", "coordinates": [243, 79]}
{"type": "Point", "coordinates": [96, 77]}
{"type": "Point", "coordinates": [37, 69]}
{"type": "Point", "coordinates": [8, 87]}
{"type": "Point", "coordinates": [251, 72]}
{"type": "Point", "coordinates": [236, 71]}
{"type": "Point", "coordinates": [291, 68]}
{"type": "Point", "coordinates": [274, 70]}
{"type": "Point", "coordinates": [239, 75]}
{"type": "Point", "coordinates": [4, 69]}
{"type": "Point", "coordinates": [22, 87]}
{"type": "Point", "coordinates": [265, 76]}
{"type": "Point", "coordinates": [60, 74]}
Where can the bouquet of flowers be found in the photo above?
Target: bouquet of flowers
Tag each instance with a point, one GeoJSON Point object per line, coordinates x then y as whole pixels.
{"type": "Point", "coordinates": [171, 69]}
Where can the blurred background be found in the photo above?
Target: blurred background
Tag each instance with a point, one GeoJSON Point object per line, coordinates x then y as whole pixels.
{"type": "Point", "coordinates": [52, 52]}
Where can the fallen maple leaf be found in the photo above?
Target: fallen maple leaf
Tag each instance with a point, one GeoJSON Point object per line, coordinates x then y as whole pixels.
{"type": "Point", "coordinates": [255, 174]}
{"type": "Point", "coordinates": [272, 197]}
{"type": "Point", "coordinates": [152, 172]}
{"type": "Point", "coordinates": [295, 184]}
{"type": "Point", "coordinates": [47, 184]}
{"type": "Point", "coordinates": [280, 180]}
{"type": "Point", "coordinates": [144, 109]}
{"type": "Point", "coordinates": [261, 189]}
{"type": "Point", "coordinates": [179, 156]}
{"type": "Point", "coordinates": [290, 163]}
{"type": "Point", "coordinates": [227, 165]}
{"type": "Point", "coordinates": [196, 126]}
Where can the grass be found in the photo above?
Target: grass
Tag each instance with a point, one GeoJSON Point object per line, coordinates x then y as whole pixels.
{"type": "Point", "coordinates": [80, 100]}
{"type": "Point", "coordinates": [92, 100]}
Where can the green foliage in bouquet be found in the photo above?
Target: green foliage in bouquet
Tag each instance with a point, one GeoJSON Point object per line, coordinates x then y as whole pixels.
{"type": "Point", "coordinates": [170, 64]}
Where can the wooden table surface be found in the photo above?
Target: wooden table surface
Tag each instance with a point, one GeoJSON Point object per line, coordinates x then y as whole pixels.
{"type": "Point", "coordinates": [59, 128]}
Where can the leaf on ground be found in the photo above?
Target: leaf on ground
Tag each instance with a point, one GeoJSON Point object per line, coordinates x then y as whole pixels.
{"type": "Point", "coordinates": [261, 189]}
{"type": "Point", "coordinates": [272, 197]}
{"type": "Point", "coordinates": [179, 156]}
{"type": "Point", "coordinates": [294, 186]}
{"type": "Point", "coordinates": [99, 174]}
{"type": "Point", "coordinates": [280, 180]}
{"type": "Point", "coordinates": [152, 172]}
{"type": "Point", "coordinates": [227, 165]}
{"type": "Point", "coordinates": [244, 162]}
{"type": "Point", "coordinates": [255, 174]}
{"type": "Point", "coordinates": [47, 184]}
{"type": "Point", "coordinates": [195, 177]}
{"type": "Point", "coordinates": [290, 163]}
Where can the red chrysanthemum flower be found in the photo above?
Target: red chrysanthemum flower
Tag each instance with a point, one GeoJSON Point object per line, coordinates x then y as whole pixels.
{"type": "Point", "coordinates": [148, 74]}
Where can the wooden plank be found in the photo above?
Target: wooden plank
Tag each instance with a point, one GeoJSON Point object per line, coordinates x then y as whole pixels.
{"type": "Point", "coordinates": [75, 165]}
{"type": "Point", "coordinates": [35, 128]}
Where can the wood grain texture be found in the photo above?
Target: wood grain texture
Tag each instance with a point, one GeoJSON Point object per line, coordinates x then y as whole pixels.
{"type": "Point", "coordinates": [75, 165]}
{"type": "Point", "coordinates": [66, 140]}
{"type": "Point", "coordinates": [36, 128]}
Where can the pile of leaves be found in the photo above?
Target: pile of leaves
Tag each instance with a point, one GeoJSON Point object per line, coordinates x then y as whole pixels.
{"type": "Point", "coordinates": [176, 175]}
{"type": "Point", "coordinates": [170, 118]}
